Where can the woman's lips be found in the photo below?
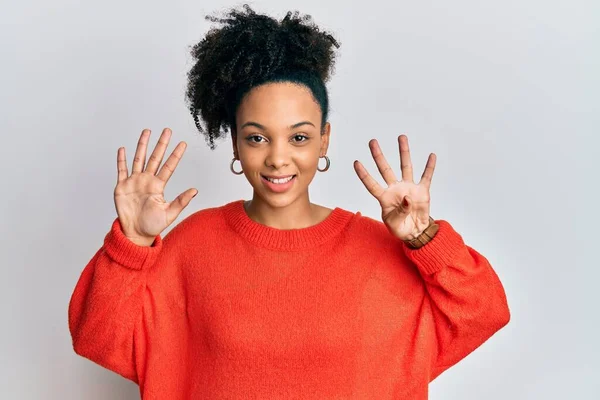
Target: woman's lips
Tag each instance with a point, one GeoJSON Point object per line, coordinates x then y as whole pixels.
{"type": "Point", "coordinates": [278, 176]}
{"type": "Point", "coordinates": [278, 187]}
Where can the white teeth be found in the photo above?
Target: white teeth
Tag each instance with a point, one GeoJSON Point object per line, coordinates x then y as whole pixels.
{"type": "Point", "coordinates": [280, 181]}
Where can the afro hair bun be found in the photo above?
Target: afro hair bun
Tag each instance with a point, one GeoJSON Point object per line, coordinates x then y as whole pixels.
{"type": "Point", "coordinates": [250, 49]}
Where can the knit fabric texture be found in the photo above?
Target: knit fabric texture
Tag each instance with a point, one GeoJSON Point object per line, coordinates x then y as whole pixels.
{"type": "Point", "coordinates": [224, 307]}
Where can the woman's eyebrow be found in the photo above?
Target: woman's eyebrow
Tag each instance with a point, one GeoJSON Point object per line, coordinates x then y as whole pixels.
{"type": "Point", "coordinates": [300, 124]}
{"type": "Point", "coordinates": [259, 126]}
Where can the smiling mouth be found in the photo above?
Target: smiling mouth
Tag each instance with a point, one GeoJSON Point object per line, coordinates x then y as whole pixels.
{"type": "Point", "coordinates": [279, 181]}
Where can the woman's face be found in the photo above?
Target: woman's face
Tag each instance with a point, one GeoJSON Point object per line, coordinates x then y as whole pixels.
{"type": "Point", "coordinates": [279, 136]}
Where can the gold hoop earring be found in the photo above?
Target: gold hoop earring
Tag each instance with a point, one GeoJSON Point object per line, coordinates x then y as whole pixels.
{"type": "Point", "coordinates": [233, 170]}
{"type": "Point", "coordinates": [328, 163]}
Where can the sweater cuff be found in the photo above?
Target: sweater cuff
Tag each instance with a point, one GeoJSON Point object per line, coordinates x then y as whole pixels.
{"type": "Point", "coordinates": [439, 252]}
{"type": "Point", "coordinates": [128, 254]}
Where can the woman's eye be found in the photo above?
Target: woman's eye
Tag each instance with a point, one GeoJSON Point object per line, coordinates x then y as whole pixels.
{"type": "Point", "coordinates": [251, 138]}
{"type": "Point", "coordinates": [260, 139]}
{"type": "Point", "coordinates": [300, 138]}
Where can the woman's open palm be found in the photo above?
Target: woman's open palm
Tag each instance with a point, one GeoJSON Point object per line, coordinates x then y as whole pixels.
{"type": "Point", "coordinates": [139, 197]}
{"type": "Point", "coordinates": [404, 204]}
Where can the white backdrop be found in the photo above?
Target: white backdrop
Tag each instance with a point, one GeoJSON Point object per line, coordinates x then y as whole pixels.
{"type": "Point", "coordinates": [505, 93]}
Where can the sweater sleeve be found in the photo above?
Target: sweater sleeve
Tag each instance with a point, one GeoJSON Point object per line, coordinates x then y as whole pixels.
{"type": "Point", "coordinates": [467, 299]}
{"type": "Point", "coordinates": [105, 310]}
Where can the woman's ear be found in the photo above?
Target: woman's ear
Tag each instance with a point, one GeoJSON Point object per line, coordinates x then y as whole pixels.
{"type": "Point", "coordinates": [325, 133]}
{"type": "Point", "coordinates": [234, 143]}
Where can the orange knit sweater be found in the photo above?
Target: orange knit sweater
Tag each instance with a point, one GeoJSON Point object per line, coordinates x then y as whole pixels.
{"type": "Point", "coordinates": [224, 307]}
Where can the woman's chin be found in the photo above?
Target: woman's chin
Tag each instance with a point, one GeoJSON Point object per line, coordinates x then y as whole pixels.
{"type": "Point", "coordinates": [276, 200]}
{"type": "Point", "coordinates": [280, 200]}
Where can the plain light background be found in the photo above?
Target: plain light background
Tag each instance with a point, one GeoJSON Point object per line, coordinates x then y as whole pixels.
{"type": "Point", "coordinates": [505, 93]}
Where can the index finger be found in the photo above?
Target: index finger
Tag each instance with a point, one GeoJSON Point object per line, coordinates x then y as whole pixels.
{"type": "Point", "coordinates": [166, 171]}
{"type": "Point", "coordinates": [371, 184]}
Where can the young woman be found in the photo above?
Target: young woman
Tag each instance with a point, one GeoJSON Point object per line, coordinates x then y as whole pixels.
{"type": "Point", "coordinates": [277, 297]}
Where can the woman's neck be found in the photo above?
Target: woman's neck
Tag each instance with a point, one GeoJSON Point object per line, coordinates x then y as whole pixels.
{"type": "Point", "coordinates": [299, 214]}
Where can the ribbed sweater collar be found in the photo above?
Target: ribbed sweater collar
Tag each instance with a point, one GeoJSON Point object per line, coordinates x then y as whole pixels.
{"type": "Point", "coordinates": [285, 239]}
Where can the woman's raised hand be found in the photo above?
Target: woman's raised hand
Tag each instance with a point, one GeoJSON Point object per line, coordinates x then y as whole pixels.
{"type": "Point", "coordinates": [404, 204]}
{"type": "Point", "coordinates": [139, 197]}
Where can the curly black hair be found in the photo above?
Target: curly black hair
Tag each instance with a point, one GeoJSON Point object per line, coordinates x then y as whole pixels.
{"type": "Point", "coordinates": [251, 49]}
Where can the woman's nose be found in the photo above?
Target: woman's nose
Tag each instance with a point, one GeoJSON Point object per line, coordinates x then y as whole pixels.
{"type": "Point", "coordinates": [278, 155]}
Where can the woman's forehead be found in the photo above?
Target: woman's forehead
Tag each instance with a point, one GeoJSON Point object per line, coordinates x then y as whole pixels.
{"type": "Point", "coordinates": [279, 105]}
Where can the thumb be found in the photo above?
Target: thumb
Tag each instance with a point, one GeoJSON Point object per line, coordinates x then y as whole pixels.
{"type": "Point", "coordinates": [406, 204]}
{"type": "Point", "coordinates": [180, 202]}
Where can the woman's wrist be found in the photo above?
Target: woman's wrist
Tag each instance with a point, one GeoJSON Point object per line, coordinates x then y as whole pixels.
{"type": "Point", "coordinates": [425, 237]}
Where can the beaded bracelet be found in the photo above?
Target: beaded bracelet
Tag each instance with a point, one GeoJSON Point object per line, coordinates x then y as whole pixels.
{"type": "Point", "coordinates": [424, 237]}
